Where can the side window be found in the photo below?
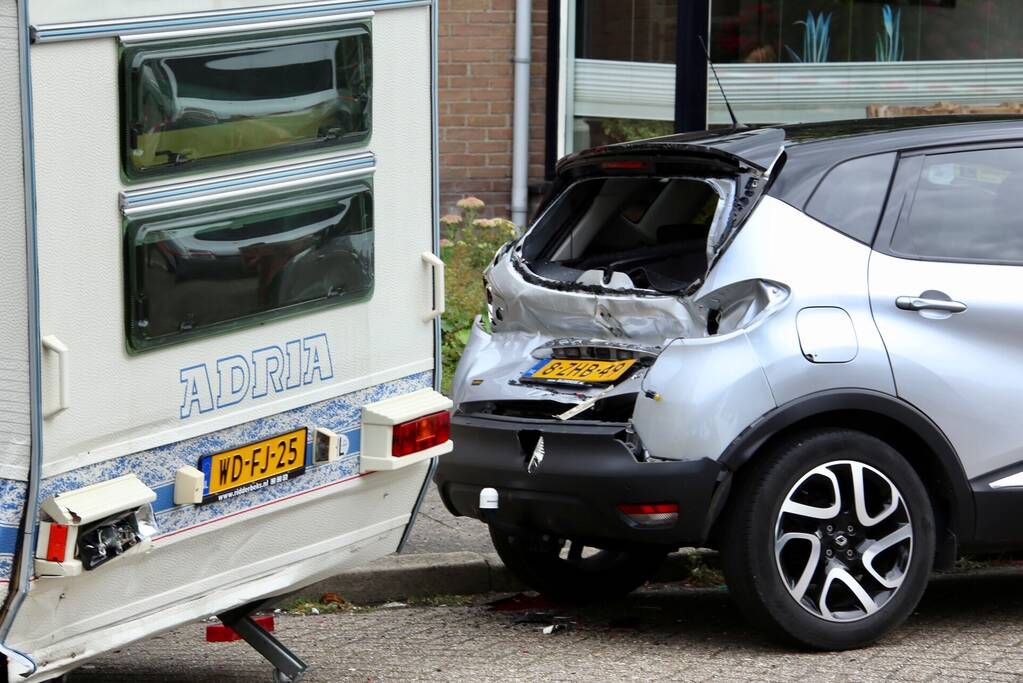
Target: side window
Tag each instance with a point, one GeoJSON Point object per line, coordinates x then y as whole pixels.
{"type": "Point", "coordinates": [966, 206]}
{"type": "Point", "coordinates": [210, 269]}
{"type": "Point", "coordinates": [187, 105]}
{"type": "Point", "coordinates": [852, 194]}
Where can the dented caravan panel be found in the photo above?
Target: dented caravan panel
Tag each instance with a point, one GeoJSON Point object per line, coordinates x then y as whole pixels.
{"type": "Point", "coordinates": [112, 411]}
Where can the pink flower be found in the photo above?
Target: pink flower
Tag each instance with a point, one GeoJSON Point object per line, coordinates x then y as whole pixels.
{"type": "Point", "coordinates": [450, 219]}
{"type": "Point", "coordinates": [470, 203]}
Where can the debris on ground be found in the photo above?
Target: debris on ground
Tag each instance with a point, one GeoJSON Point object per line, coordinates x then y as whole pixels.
{"type": "Point", "coordinates": [560, 624]}
{"type": "Point", "coordinates": [519, 602]}
{"type": "Point", "coordinates": [332, 599]}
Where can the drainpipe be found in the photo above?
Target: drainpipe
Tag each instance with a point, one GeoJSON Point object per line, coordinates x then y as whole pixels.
{"type": "Point", "coordinates": [520, 113]}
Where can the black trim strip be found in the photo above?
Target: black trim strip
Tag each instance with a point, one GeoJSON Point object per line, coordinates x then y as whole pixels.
{"type": "Point", "coordinates": [691, 66]}
{"type": "Point", "coordinates": [550, 160]}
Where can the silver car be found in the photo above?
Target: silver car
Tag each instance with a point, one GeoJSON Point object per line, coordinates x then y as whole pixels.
{"type": "Point", "coordinates": [802, 346]}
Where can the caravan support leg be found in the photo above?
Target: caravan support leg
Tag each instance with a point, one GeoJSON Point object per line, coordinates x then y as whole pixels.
{"type": "Point", "coordinates": [289, 668]}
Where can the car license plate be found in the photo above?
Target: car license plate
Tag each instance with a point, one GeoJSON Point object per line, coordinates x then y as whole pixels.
{"type": "Point", "coordinates": [254, 466]}
{"type": "Point", "coordinates": [587, 371]}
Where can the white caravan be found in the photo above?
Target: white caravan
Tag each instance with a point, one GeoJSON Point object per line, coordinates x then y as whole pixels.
{"type": "Point", "coordinates": [220, 303]}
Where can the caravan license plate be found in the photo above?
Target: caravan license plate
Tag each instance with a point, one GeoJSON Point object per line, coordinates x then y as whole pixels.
{"type": "Point", "coordinates": [579, 370]}
{"type": "Point", "coordinates": [255, 466]}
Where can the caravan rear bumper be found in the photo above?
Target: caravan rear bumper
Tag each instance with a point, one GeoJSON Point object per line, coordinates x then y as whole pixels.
{"type": "Point", "coordinates": [575, 491]}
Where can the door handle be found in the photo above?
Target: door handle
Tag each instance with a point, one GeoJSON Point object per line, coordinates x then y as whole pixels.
{"type": "Point", "coordinates": [919, 303]}
{"type": "Point", "coordinates": [437, 265]}
{"type": "Point", "coordinates": [51, 343]}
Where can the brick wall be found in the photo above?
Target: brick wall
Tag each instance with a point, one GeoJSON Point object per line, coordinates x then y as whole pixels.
{"type": "Point", "coordinates": [477, 39]}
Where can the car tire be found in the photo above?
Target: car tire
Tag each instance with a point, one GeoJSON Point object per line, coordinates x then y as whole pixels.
{"type": "Point", "coordinates": [874, 528]}
{"type": "Point", "coordinates": [597, 576]}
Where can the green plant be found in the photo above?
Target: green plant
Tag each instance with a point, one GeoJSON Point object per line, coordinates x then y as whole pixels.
{"type": "Point", "coordinates": [816, 38]}
{"type": "Point", "coordinates": [468, 244]}
{"type": "Point", "coordinates": [889, 46]}
{"type": "Point", "coordinates": [625, 130]}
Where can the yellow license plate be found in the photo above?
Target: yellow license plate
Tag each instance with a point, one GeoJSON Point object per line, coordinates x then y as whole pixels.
{"type": "Point", "coordinates": [254, 466]}
{"type": "Point", "coordinates": [579, 370]}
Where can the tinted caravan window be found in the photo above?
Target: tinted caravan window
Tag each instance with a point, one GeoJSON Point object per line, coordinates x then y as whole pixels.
{"type": "Point", "coordinates": [200, 271]}
{"type": "Point", "coordinates": [188, 105]}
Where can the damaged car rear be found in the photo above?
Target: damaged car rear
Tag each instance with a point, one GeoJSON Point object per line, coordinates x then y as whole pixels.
{"type": "Point", "coordinates": [680, 351]}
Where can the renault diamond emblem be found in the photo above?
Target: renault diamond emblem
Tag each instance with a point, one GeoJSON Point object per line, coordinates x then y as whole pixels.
{"type": "Point", "coordinates": [537, 459]}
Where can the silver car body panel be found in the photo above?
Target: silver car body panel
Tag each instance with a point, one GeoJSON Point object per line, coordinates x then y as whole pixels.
{"type": "Point", "coordinates": [724, 384]}
{"type": "Point", "coordinates": [963, 370]}
{"type": "Point", "coordinates": [821, 267]}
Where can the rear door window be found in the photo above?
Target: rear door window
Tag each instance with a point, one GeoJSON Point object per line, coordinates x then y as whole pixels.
{"type": "Point", "coordinates": [223, 267]}
{"type": "Point", "coordinates": [188, 104]}
{"type": "Point", "coordinates": [852, 194]}
{"type": "Point", "coordinates": [965, 206]}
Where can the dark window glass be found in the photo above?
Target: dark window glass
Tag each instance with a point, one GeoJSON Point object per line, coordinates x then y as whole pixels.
{"type": "Point", "coordinates": [200, 271]}
{"type": "Point", "coordinates": [187, 105]}
{"type": "Point", "coordinates": [627, 30]}
{"type": "Point", "coordinates": [852, 194]}
{"type": "Point", "coordinates": [757, 31]}
{"type": "Point", "coordinates": [967, 206]}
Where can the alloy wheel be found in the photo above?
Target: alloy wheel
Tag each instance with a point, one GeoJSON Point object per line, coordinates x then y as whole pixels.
{"type": "Point", "coordinates": [843, 540]}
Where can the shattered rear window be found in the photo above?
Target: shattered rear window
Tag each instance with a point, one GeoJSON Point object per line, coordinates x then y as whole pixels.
{"type": "Point", "coordinates": [626, 233]}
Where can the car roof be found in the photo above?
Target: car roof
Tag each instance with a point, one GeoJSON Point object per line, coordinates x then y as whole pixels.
{"type": "Point", "coordinates": [812, 149]}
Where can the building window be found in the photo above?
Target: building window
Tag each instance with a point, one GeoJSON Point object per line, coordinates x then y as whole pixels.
{"type": "Point", "coordinates": [786, 61]}
{"type": "Point", "coordinates": [235, 264]}
{"type": "Point", "coordinates": [623, 71]}
{"type": "Point", "coordinates": [188, 105]}
{"type": "Point", "coordinates": [795, 60]}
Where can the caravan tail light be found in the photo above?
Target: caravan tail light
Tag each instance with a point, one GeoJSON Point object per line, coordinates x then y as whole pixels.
{"type": "Point", "coordinates": [56, 547]}
{"type": "Point", "coordinates": [419, 434]}
{"type": "Point", "coordinates": [646, 514]}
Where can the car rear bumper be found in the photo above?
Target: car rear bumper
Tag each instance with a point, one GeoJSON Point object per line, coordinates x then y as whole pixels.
{"type": "Point", "coordinates": [574, 492]}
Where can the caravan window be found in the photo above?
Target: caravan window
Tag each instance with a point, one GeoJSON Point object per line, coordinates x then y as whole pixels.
{"type": "Point", "coordinates": [200, 271]}
{"type": "Point", "coordinates": [187, 104]}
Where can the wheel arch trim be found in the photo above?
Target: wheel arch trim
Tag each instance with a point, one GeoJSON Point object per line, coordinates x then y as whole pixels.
{"type": "Point", "coordinates": [843, 404]}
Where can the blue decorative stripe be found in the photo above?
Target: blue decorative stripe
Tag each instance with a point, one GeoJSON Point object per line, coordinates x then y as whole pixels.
{"type": "Point", "coordinates": [156, 467]}
{"type": "Point", "coordinates": [8, 540]}
{"type": "Point", "coordinates": [12, 503]}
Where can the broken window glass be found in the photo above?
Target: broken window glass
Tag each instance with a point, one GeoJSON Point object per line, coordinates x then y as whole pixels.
{"type": "Point", "coordinates": [625, 233]}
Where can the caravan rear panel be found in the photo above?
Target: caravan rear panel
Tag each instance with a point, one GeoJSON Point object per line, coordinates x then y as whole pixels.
{"type": "Point", "coordinates": [235, 223]}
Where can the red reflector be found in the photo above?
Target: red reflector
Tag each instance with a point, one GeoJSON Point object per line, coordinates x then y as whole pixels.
{"type": "Point", "coordinates": [626, 165]}
{"type": "Point", "coordinates": [218, 633]}
{"type": "Point", "coordinates": [651, 514]}
{"type": "Point", "coordinates": [57, 544]}
{"type": "Point", "coordinates": [645, 509]}
{"type": "Point", "coordinates": [418, 435]}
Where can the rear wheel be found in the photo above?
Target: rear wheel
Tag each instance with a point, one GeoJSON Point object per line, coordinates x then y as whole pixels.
{"type": "Point", "coordinates": [830, 540]}
{"type": "Point", "coordinates": [571, 572]}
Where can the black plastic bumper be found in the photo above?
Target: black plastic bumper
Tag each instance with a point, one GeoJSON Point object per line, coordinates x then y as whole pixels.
{"type": "Point", "coordinates": [574, 493]}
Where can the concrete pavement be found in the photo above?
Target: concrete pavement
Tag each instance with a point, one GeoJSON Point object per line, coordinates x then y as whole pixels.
{"type": "Point", "coordinates": [968, 628]}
